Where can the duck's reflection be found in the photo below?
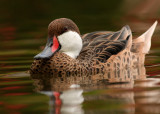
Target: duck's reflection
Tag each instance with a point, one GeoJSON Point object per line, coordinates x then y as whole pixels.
{"type": "Point", "coordinates": [72, 100]}
{"type": "Point", "coordinates": [54, 102]}
{"type": "Point", "coordinates": [65, 92]}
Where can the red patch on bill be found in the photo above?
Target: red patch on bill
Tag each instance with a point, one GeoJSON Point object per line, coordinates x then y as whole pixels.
{"type": "Point", "coordinates": [55, 44]}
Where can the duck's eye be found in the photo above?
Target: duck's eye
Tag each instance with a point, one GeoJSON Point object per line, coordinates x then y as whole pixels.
{"type": "Point", "coordinates": [64, 29]}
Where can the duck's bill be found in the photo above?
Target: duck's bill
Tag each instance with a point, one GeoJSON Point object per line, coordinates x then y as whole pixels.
{"type": "Point", "coordinates": [52, 47]}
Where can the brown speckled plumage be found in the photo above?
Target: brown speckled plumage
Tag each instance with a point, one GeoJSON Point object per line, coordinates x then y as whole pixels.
{"type": "Point", "coordinates": [47, 82]}
{"type": "Point", "coordinates": [102, 51]}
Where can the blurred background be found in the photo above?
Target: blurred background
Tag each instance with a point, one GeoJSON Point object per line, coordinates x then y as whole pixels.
{"type": "Point", "coordinates": [23, 33]}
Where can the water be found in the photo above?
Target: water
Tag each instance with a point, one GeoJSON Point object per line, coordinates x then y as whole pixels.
{"type": "Point", "coordinates": [23, 32]}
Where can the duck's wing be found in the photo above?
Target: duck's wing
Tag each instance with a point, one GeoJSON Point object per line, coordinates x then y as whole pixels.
{"type": "Point", "coordinates": [103, 44]}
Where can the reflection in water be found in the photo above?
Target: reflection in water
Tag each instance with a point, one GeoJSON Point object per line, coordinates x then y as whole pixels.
{"type": "Point", "coordinates": [72, 100]}
{"type": "Point", "coordinates": [66, 92]}
{"type": "Point", "coordinates": [147, 96]}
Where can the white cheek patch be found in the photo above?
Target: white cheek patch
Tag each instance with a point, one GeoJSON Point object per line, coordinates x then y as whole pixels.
{"type": "Point", "coordinates": [71, 43]}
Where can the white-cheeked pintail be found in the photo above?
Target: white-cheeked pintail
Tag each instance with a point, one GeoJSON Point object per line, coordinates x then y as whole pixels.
{"type": "Point", "coordinates": [67, 52]}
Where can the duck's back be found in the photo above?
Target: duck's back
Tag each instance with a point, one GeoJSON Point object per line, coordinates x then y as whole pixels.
{"type": "Point", "coordinates": [116, 49]}
{"type": "Point", "coordinates": [102, 45]}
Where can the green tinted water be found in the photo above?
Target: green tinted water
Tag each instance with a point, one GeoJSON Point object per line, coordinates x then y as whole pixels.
{"type": "Point", "coordinates": [23, 30]}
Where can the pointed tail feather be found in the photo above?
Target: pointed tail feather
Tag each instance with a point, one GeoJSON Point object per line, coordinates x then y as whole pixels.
{"type": "Point", "coordinates": [145, 38]}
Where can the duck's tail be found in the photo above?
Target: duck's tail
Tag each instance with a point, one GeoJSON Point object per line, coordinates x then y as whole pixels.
{"type": "Point", "coordinates": [142, 44]}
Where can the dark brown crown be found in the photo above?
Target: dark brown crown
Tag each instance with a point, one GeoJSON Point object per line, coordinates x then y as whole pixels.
{"type": "Point", "coordinates": [59, 26]}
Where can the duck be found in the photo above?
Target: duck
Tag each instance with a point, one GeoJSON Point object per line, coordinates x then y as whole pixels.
{"type": "Point", "coordinates": [67, 52]}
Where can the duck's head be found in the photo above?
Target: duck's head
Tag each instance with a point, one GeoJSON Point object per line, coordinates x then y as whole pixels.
{"type": "Point", "coordinates": [63, 36]}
